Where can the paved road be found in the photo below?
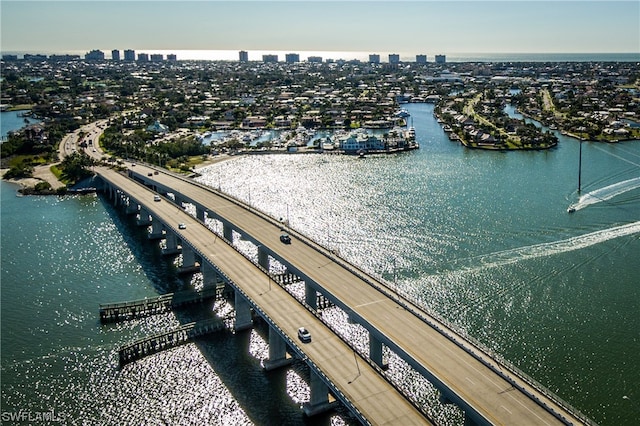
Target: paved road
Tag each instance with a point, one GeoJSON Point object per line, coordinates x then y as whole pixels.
{"type": "Point", "coordinates": [491, 395]}
{"type": "Point", "coordinates": [363, 386]}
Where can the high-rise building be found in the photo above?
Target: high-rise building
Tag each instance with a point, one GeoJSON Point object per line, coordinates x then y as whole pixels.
{"type": "Point", "coordinates": [394, 58]}
{"type": "Point", "coordinates": [243, 56]}
{"type": "Point", "coordinates": [143, 57]}
{"type": "Point", "coordinates": [292, 58]}
{"type": "Point", "coordinates": [129, 55]}
{"type": "Point", "coordinates": [441, 59]}
{"type": "Point", "coordinates": [421, 59]}
{"type": "Point", "coordinates": [94, 55]}
{"type": "Point", "coordinates": [374, 59]}
{"type": "Point", "coordinates": [115, 55]}
{"type": "Point", "coordinates": [315, 59]}
{"type": "Point", "coordinates": [157, 57]}
{"type": "Point", "coordinates": [269, 58]}
{"type": "Point", "coordinates": [172, 57]}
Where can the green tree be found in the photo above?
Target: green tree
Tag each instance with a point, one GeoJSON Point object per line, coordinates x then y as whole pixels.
{"type": "Point", "coordinates": [76, 167]}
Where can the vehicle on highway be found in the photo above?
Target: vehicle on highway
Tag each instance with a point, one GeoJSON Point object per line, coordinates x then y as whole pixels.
{"type": "Point", "coordinates": [304, 335]}
{"type": "Point", "coordinates": [182, 226]}
{"type": "Point", "coordinates": [156, 198]}
{"type": "Point", "coordinates": [285, 238]}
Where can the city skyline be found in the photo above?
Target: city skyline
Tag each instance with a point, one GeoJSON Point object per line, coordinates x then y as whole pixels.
{"type": "Point", "coordinates": [409, 27]}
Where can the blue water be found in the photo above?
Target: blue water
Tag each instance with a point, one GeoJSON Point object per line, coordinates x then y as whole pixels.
{"type": "Point", "coordinates": [12, 120]}
{"type": "Point", "coordinates": [481, 238]}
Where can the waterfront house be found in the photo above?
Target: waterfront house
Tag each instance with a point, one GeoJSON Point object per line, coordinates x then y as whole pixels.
{"type": "Point", "coordinates": [360, 140]}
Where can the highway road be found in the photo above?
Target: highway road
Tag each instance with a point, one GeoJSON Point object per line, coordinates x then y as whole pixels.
{"type": "Point", "coordinates": [369, 392]}
{"type": "Point", "coordinates": [453, 361]}
{"type": "Point", "coordinates": [91, 132]}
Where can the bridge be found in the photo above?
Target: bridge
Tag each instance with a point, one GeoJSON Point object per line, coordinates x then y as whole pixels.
{"type": "Point", "coordinates": [486, 389]}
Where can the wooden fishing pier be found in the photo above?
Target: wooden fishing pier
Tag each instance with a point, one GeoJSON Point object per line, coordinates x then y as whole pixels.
{"type": "Point", "coordinates": [169, 339]}
{"type": "Point", "coordinates": [114, 312]}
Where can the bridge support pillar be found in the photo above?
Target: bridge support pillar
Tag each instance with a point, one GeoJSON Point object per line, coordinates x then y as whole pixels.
{"type": "Point", "coordinates": [209, 275]}
{"type": "Point", "coordinates": [188, 260]}
{"type": "Point", "coordinates": [156, 230]}
{"type": "Point", "coordinates": [179, 200]}
{"type": "Point", "coordinates": [227, 231]}
{"type": "Point", "coordinates": [310, 296]}
{"type": "Point", "coordinates": [319, 399]}
{"type": "Point", "coordinates": [375, 351]}
{"type": "Point", "coordinates": [132, 207]}
{"type": "Point", "coordinates": [200, 213]}
{"type": "Point", "coordinates": [263, 258]}
{"type": "Point", "coordinates": [117, 198]}
{"type": "Point", "coordinates": [143, 217]}
{"type": "Point", "coordinates": [277, 351]}
{"type": "Point", "coordinates": [171, 244]}
{"type": "Point", "coordinates": [243, 313]}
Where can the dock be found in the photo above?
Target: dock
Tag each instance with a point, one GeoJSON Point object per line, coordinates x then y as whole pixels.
{"type": "Point", "coordinates": [168, 339]}
{"type": "Point", "coordinates": [123, 311]}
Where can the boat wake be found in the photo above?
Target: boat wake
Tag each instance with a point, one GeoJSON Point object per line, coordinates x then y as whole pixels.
{"type": "Point", "coordinates": [507, 257]}
{"type": "Point", "coordinates": [604, 194]}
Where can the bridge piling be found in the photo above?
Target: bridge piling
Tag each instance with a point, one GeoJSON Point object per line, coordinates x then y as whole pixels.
{"type": "Point", "coordinates": [319, 401]}
{"type": "Point", "coordinates": [243, 313]}
{"type": "Point", "coordinates": [171, 244]}
{"type": "Point", "coordinates": [144, 219]}
{"type": "Point", "coordinates": [310, 296]}
{"type": "Point", "coordinates": [277, 351]}
{"type": "Point", "coordinates": [189, 263]}
{"type": "Point", "coordinates": [156, 230]}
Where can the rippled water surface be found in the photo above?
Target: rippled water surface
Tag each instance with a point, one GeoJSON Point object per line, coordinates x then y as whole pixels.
{"type": "Point", "coordinates": [482, 239]}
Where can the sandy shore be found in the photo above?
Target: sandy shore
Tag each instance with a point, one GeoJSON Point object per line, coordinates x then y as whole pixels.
{"type": "Point", "coordinates": [40, 174]}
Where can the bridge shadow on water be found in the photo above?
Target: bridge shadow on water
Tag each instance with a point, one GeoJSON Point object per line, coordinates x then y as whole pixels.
{"type": "Point", "coordinates": [261, 394]}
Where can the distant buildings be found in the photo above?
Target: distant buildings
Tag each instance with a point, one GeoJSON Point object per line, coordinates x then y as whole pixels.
{"type": "Point", "coordinates": [129, 55]}
{"type": "Point", "coordinates": [374, 59]}
{"type": "Point", "coordinates": [421, 59]}
{"type": "Point", "coordinates": [64, 58]}
{"type": "Point", "coordinates": [171, 57]}
{"type": "Point", "coordinates": [243, 56]}
{"type": "Point", "coordinates": [157, 57]}
{"type": "Point", "coordinates": [394, 58]}
{"type": "Point", "coordinates": [269, 58]}
{"type": "Point", "coordinates": [115, 55]}
{"type": "Point", "coordinates": [94, 55]}
{"type": "Point", "coordinates": [292, 58]}
{"type": "Point", "coordinates": [37, 57]}
{"type": "Point", "coordinates": [441, 59]}
{"type": "Point", "coordinates": [315, 59]}
{"type": "Point", "coordinates": [143, 57]}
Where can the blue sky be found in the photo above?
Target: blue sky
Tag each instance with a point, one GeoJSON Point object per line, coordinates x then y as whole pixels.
{"type": "Point", "coordinates": [375, 26]}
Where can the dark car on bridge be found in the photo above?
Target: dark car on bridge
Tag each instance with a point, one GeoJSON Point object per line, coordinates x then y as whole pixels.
{"type": "Point", "coordinates": [285, 238]}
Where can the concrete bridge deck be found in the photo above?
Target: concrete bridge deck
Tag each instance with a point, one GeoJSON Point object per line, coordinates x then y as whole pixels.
{"type": "Point", "coordinates": [470, 376]}
{"type": "Point", "coordinates": [370, 393]}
